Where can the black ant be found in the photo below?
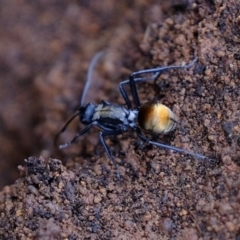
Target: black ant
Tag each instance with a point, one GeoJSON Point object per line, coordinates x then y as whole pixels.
{"type": "Point", "coordinates": [116, 119]}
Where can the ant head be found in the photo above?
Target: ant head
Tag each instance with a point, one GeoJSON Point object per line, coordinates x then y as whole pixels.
{"type": "Point", "coordinates": [86, 113]}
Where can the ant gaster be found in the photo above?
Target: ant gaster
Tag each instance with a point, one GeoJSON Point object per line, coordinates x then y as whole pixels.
{"type": "Point", "coordinates": [116, 119]}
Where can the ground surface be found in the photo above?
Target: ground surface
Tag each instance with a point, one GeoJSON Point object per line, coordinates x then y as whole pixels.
{"type": "Point", "coordinates": [45, 50]}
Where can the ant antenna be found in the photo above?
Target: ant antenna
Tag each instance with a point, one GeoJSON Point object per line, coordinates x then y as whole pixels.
{"type": "Point", "coordinates": [89, 75]}
{"type": "Point", "coordinates": [88, 82]}
{"type": "Point", "coordinates": [64, 127]}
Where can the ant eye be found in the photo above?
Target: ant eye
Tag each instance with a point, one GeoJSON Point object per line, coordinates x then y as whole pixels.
{"type": "Point", "coordinates": [87, 113]}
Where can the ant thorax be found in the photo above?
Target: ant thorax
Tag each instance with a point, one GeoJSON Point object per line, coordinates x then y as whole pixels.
{"type": "Point", "coordinates": [115, 114]}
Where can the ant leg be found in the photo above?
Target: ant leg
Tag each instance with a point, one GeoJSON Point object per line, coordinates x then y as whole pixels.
{"type": "Point", "coordinates": [78, 135]}
{"type": "Point", "coordinates": [123, 91]}
{"type": "Point", "coordinates": [132, 79]}
{"type": "Point", "coordinates": [104, 102]}
{"type": "Point", "coordinates": [109, 133]}
{"type": "Point", "coordinates": [143, 138]}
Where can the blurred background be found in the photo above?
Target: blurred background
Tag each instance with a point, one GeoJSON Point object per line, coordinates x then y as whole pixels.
{"type": "Point", "coordinates": [45, 49]}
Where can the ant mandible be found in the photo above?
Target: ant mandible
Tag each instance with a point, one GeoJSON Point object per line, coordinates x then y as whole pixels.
{"type": "Point", "coordinates": [116, 119]}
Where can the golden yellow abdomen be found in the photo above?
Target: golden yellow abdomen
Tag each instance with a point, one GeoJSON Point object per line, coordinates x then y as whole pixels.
{"type": "Point", "coordinates": [156, 117]}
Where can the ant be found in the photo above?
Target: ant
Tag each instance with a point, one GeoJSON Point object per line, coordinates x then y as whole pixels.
{"type": "Point", "coordinates": [116, 119]}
